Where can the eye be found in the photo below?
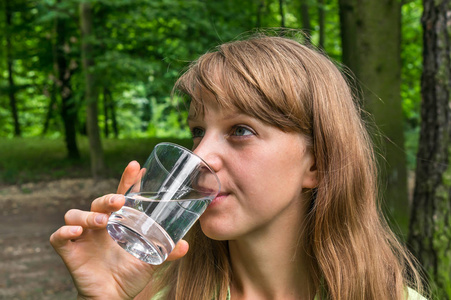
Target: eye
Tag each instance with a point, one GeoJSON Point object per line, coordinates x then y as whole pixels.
{"type": "Point", "coordinates": [242, 131]}
{"type": "Point", "coordinates": [197, 132]}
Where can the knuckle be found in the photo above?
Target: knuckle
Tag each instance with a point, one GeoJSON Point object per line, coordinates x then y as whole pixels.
{"type": "Point", "coordinates": [90, 219]}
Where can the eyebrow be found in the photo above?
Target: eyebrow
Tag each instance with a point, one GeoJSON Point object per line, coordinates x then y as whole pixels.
{"type": "Point", "coordinates": [190, 118]}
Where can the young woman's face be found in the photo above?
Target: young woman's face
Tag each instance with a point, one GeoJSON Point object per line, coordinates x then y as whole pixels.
{"type": "Point", "coordinates": [262, 170]}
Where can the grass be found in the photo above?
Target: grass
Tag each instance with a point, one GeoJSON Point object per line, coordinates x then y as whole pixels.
{"type": "Point", "coordinates": [40, 159]}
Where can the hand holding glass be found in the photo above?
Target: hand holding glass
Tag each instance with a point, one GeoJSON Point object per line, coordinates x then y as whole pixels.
{"type": "Point", "coordinates": [173, 189]}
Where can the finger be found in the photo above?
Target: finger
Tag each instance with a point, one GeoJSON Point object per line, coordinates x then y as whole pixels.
{"type": "Point", "coordinates": [180, 250]}
{"type": "Point", "coordinates": [108, 203]}
{"type": "Point", "coordinates": [128, 177]}
{"type": "Point", "coordinates": [61, 238]}
{"type": "Point", "coordinates": [91, 220]}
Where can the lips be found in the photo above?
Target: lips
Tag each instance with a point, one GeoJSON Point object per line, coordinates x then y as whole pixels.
{"type": "Point", "coordinates": [219, 198]}
{"type": "Point", "coordinates": [205, 192]}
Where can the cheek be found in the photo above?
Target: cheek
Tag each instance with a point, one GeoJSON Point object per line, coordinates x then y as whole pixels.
{"type": "Point", "coordinates": [288, 170]}
{"type": "Point", "coordinates": [270, 177]}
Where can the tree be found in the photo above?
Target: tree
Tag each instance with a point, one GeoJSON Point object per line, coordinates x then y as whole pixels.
{"type": "Point", "coordinates": [260, 7]}
{"type": "Point", "coordinates": [371, 49]}
{"type": "Point", "coordinates": [305, 18]}
{"type": "Point", "coordinates": [282, 14]}
{"type": "Point", "coordinates": [91, 93]}
{"type": "Point", "coordinates": [430, 230]}
{"type": "Point", "coordinates": [63, 70]}
{"type": "Point", "coordinates": [9, 60]}
{"type": "Point", "coordinates": [109, 108]}
{"type": "Point", "coordinates": [321, 23]}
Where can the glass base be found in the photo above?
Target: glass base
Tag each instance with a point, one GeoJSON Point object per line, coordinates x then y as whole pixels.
{"type": "Point", "coordinates": [140, 236]}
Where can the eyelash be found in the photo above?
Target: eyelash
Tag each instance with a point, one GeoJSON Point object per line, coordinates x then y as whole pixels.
{"type": "Point", "coordinates": [196, 134]}
{"type": "Point", "coordinates": [193, 132]}
{"type": "Point", "coordinates": [235, 129]}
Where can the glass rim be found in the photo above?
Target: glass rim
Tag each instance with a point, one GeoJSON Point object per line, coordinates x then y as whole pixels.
{"type": "Point", "coordinates": [195, 155]}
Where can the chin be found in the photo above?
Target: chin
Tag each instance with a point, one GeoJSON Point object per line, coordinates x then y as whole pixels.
{"type": "Point", "coordinates": [217, 233]}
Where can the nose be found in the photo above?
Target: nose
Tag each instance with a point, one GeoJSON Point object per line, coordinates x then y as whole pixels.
{"type": "Point", "coordinates": [210, 152]}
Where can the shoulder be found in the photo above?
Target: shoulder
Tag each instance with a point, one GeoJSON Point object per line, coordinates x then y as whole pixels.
{"type": "Point", "coordinates": [411, 295]}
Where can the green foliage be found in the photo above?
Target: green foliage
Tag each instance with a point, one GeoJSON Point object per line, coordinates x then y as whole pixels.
{"type": "Point", "coordinates": [141, 47]}
{"type": "Point", "coordinates": [36, 159]}
{"type": "Point", "coordinates": [411, 74]}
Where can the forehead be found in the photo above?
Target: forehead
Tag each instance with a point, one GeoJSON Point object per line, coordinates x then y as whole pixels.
{"type": "Point", "coordinates": [212, 108]}
{"type": "Point", "coordinates": [204, 100]}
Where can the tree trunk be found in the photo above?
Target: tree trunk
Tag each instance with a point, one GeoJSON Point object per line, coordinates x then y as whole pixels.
{"type": "Point", "coordinates": [305, 17]}
{"type": "Point", "coordinates": [321, 23]}
{"type": "Point", "coordinates": [146, 111]}
{"type": "Point", "coordinates": [9, 60]}
{"type": "Point", "coordinates": [430, 226]}
{"type": "Point", "coordinates": [371, 49]}
{"type": "Point", "coordinates": [54, 76]}
{"type": "Point", "coordinates": [113, 113]}
{"type": "Point", "coordinates": [282, 14]}
{"type": "Point", "coordinates": [260, 7]}
{"type": "Point", "coordinates": [52, 102]}
{"type": "Point", "coordinates": [91, 95]}
{"type": "Point", "coordinates": [105, 112]}
{"type": "Point", "coordinates": [348, 30]}
{"type": "Point", "coordinates": [68, 106]}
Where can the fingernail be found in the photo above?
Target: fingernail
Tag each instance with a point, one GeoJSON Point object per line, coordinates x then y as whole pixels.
{"type": "Point", "coordinates": [113, 199]}
{"type": "Point", "coordinates": [100, 219]}
{"type": "Point", "coordinates": [75, 229]}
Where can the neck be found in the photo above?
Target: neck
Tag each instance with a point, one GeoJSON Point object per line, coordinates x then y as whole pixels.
{"type": "Point", "coordinates": [270, 265]}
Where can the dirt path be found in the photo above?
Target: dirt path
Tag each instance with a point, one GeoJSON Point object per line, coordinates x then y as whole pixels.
{"type": "Point", "coordinates": [29, 267]}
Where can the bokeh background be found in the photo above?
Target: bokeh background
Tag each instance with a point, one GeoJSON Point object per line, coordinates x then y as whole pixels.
{"type": "Point", "coordinates": [85, 87]}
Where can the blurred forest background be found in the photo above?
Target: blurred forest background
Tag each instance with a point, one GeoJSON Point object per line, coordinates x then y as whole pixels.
{"type": "Point", "coordinates": [85, 88]}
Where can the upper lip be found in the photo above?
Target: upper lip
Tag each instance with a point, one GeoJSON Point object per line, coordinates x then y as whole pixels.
{"type": "Point", "coordinates": [205, 190]}
{"type": "Point", "coordinates": [222, 194]}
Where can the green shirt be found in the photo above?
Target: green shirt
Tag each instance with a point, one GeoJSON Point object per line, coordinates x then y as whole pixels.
{"type": "Point", "coordinates": [411, 295]}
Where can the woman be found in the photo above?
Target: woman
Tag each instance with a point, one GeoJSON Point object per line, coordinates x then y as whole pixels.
{"type": "Point", "coordinates": [297, 216]}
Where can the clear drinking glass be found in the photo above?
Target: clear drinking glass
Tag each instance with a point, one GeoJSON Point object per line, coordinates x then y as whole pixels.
{"type": "Point", "coordinates": [173, 189]}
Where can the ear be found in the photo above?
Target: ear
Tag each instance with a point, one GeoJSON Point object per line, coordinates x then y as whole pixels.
{"type": "Point", "coordinates": [310, 179]}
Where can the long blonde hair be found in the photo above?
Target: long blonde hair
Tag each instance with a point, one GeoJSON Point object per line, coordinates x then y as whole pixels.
{"type": "Point", "coordinates": [353, 254]}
